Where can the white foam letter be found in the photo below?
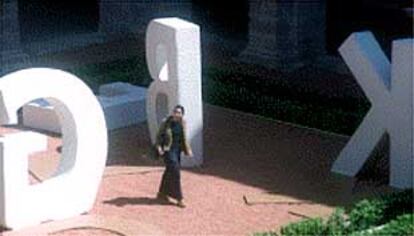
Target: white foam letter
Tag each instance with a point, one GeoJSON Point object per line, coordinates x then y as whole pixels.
{"type": "Point", "coordinates": [390, 91]}
{"type": "Point", "coordinates": [173, 57]}
{"type": "Point", "coordinates": [73, 188]}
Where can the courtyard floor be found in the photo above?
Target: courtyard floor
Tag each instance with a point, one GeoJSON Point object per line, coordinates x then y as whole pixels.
{"type": "Point", "coordinates": [258, 175]}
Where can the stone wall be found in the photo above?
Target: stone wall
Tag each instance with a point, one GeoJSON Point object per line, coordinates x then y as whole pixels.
{"type": "Point", "coordinates": [285, 34]}
{"type": "Point", "coordinates": [118, 18]}
{"type": "Point", "coordinates": [11, 54]}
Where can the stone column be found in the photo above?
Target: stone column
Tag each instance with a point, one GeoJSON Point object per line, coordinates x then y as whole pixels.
{"type": "Point", "coordinates": [11, 54]}
{"type": "Point", "coordinates": [272, 35]}
{"type": "Point", "coordinates": [285, 34]}
{"type": "Point", "coordinates": [123, 17]}
{"type": "Point", "coordinates": [311, 29]}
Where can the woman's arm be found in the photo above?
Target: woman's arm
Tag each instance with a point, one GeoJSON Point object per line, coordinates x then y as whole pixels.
{"type": "Point", "coordinates": [159, 137]}
{"type": "Point", "coordinates": [164, 136]}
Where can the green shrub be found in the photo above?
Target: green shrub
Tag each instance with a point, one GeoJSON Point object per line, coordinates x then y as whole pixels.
{"type": "Point", "coordinates": [373, 212]}
{"type": "Point", "coordinates": [307, 227]}
{"type": "Point", "coordinates": [271, 233]}
{"type": "Point", "coordinates": [336, 224]}
{"type": "Point", "coordinates": [397, 204]}
{"type": "Point", "coordinates": [362, 219]}
{"type": "Point", "coordinates": [365, 214]}
{"type": "Point", "coordinates": [401, 226]}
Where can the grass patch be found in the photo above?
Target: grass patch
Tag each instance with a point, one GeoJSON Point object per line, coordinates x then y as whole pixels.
{"type": "Point", "coordinates": [273, 100]}
{"type": "Point", "coordinates": [132, 70]}
{"type": "Point", "coordinates": [237, 90]}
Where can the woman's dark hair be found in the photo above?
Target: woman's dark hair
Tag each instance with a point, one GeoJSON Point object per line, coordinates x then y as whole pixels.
{"type": "Point", "coordinates": [180, 107]}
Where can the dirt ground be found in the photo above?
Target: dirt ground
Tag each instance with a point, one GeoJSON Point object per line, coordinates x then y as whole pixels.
{"type": "Point", "coordinates": [246, 157]}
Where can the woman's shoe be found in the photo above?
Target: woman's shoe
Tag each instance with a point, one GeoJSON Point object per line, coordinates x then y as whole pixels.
{"type": "Point", "coordinates": [180, 204]}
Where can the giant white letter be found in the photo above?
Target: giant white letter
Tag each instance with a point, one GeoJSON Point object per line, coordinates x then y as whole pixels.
{"type": "Point", "coordinates": [73, 188]}
{"type": "Point", "coordinates": [390, 91]}
{"type": "Point", "coordinates": [173, 57]}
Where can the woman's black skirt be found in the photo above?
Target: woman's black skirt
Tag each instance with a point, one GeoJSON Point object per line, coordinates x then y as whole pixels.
{"type": "Point", "coordinates": [171, 179]}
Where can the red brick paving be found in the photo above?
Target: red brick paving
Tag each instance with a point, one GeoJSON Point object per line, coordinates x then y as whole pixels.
{"type": "Point", "coordinates": [244, 154]}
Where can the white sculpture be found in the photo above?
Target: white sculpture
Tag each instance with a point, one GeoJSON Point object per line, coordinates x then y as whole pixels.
{"type": "Point", "coordinates": [123, 104]}
{"type": "Point", "coordinates": [72, 190]}
{"type": "Point", "coordinates": [33, 142]}
{"type": "Point", "coordinates": [39, 114]}
{"type": "Point", "coordinates": [389, 87]}
{"type": "Point", "coordinates": [174, 62]}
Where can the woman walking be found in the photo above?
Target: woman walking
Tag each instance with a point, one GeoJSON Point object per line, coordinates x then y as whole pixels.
{"type": "Point", "coordinates": [170, 142]}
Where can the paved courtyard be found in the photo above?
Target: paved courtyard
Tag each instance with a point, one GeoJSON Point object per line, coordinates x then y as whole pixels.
{"type": "Point", "coordinates": [258, 175]}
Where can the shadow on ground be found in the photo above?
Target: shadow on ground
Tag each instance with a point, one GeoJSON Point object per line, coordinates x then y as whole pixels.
{"type": "Point", "coordinates": [278, 158]}
{"type": "Point", "coordinates": [122, 201]}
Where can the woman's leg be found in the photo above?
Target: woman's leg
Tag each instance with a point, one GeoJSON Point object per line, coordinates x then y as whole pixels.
{"type": "Point", "coordinates": [176, 191]}
{"type": "Point", "coordinates": [163, 190]}
{"type": "Point", "coordinates": [171, 179]}
{"type": "Point", "coordinates": [166, 177]}
{"type": "Point", "coordinates": [173, 176]}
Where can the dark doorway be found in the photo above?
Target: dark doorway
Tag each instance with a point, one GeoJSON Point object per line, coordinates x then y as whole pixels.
{"type": "Point", "coordinates": [228, 19]}
{"type": "Point", "coordinates": [40, 20]}
{"type": "Point", "coordinates": [387, 19]}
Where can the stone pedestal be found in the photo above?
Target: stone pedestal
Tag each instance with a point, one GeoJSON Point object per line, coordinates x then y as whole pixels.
{"type": "Point", "coordinates": [123, 104]}
{"type": "Point", "coordinates": [11, 54]}
{"type": "Point", "coordinates": [125, 17]}
{"type": "Point", "coordinates": [285, 34]}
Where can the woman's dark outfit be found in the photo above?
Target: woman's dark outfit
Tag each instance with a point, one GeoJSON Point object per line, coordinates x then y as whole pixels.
{"type": "Point", "coordinates": [171, 138]}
